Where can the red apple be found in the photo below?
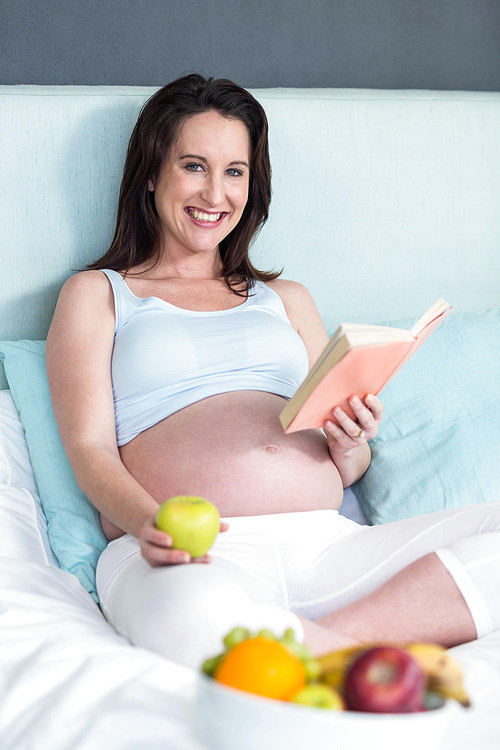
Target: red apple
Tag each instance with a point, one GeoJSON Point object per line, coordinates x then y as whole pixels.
{"type": "Point", "coordinates": [385, 679]}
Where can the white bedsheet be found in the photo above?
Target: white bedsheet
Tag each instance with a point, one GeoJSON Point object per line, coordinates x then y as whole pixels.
{"type": "Point", "coordinates": [67, 681]}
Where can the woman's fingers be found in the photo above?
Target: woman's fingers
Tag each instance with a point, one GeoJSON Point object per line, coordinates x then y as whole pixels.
{"type": "Point", "coordinates": [156, 547]}
{"type": "Point", "coordinates": [152, 535]}
{"type": "Point", "coordinates": [367, 413]}
{"type": "Point", "coordinates": [157, 556]}
{"type": "Point", "coordinates": [375, 405]}
{"type": "Point", "coordinates": [365, 419]}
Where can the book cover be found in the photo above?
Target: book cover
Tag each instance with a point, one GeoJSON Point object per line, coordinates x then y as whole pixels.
{"type": "Point", "coordinates": [358, 359]}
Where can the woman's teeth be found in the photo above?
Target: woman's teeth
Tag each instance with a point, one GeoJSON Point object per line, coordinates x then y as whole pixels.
{"type": "Point", "coordinates": [203, 217]}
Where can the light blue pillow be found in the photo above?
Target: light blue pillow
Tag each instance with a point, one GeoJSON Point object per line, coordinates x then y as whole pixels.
{"type": "Point", "coordinates": [438, 445]}
{"type": "Point", "coordinates": [73, 525]}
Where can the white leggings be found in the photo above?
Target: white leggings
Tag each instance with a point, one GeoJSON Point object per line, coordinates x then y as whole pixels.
{"type": "Point", "coordinates": [266, 569]}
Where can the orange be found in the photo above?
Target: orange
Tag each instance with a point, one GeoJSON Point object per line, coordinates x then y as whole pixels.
{"type": "Point", "coordinates": [262, 666]}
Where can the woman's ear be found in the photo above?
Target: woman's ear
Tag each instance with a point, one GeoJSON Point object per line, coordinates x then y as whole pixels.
{"type": "Point", "coordinates": [151, 186]}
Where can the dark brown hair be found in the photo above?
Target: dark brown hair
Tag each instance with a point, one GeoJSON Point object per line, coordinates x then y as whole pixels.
{"type": "Point", "coordinates": [137, 235]}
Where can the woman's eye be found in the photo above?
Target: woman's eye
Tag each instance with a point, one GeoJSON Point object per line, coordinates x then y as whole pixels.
{"type": "Point", "coordinates": [234, 172]}
{"type": "Point", "coordinates": [194, 167]}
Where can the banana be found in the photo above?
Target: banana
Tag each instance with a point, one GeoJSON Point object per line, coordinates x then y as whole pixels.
{"type": "Point", "coordinates": [444, 675]}
{"type": "Point", "coordinates": [334, 664]}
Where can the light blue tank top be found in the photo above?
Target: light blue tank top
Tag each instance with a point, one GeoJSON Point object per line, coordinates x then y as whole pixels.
{"type": "Point", "coordinates": [166, 358]}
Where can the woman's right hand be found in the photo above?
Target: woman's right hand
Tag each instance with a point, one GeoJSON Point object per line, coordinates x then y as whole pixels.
{"type": "Point", "coordinates": [156, 547]}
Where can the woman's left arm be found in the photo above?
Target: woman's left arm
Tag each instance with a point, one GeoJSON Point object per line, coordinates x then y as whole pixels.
{"type": "Point", "coordinates": [347, 438]}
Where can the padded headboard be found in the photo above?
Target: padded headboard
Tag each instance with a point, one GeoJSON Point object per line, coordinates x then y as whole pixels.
{"type": "Point", "coordinates": [382, 200]}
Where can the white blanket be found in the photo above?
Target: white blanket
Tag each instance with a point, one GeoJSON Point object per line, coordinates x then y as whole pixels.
{"type": "Point", "coordinates": [69, 682]}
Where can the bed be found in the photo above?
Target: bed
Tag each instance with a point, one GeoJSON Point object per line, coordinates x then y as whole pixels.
{"type": "Point", "coordinates": [383, 201]}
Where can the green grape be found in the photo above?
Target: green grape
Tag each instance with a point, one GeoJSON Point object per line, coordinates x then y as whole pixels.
{"type": "Point", "coordinates": [312, 669]}
{"type": "Point", "coordinates": [210, 665]}
{"type": "Point", "coordinates": [299, 649]}
{"type": "Point", "coordinates": [289, 639]}
{"type": "Point", "coordinates": [266, 633]}
{"type": "Point", "coordinates": [235, 636]}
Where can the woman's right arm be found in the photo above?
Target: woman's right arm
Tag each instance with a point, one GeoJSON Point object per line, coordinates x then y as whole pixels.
{"type": "Point", "coordinates": [79, 348]}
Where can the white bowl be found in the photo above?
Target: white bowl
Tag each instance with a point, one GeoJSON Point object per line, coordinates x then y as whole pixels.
{"type": "Point", "coordinates": [231, 719]}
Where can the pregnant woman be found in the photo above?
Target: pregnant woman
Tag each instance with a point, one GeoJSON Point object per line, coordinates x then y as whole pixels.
{"type": "Point", "coordinates": [169, 362]}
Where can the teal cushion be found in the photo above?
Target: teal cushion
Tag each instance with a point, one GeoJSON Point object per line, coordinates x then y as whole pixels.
{"type": "Point", "coordinates": [438, 445]}
{"type": "Point", "coordinates": [73, 525]}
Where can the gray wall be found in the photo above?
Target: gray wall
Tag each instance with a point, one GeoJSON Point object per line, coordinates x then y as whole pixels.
{"type": "Point", "coordinates": [430, 44]}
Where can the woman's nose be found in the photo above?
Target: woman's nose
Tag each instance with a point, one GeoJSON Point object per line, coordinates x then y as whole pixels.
{"type": "Point", "coordinates": [213, 190]}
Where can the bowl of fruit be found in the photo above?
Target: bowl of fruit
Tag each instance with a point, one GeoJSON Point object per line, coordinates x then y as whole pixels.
{"type": "Point", "coordinates": [268, 692]}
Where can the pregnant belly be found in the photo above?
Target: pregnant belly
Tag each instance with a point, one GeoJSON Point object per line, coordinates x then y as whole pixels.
{"type": "Point", "coordinates": [232, 450]}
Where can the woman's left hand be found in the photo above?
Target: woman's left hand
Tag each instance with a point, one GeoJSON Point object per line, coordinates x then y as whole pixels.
{"type": "Point", "coordinates": [347, 433]}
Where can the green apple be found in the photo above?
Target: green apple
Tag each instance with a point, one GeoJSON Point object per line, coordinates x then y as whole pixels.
{"type": "Point", "coordinates": [192, 522]}
{"type": "Point", "coordinates": [319, 696]}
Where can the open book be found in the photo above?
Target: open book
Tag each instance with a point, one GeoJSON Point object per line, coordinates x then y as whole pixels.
{"type": "Point", "coordinates": [359, 359]}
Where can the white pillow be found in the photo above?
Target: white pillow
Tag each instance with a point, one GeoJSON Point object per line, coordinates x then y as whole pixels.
{"type": "Point", "coordinates": [23, 524]}
{"type": "Point", "coordinates": [15, 464]}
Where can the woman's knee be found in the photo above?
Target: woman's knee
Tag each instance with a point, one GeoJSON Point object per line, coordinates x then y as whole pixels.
{"type": "Point", "coordinates": [183, 612]}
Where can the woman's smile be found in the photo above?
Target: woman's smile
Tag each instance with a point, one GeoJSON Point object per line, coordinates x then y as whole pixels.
{"type": "Point", "coordinates": [205, 219]}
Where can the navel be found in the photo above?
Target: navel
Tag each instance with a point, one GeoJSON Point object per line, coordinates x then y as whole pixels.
{"type": "Point", "coordinates": [273, 449]}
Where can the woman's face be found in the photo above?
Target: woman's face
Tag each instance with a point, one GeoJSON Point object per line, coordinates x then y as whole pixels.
{"type": "Point", "coordinates": [202, 188]}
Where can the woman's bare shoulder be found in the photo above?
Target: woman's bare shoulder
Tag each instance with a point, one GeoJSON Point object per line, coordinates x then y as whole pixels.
{"type": "Point", "coordinates": [86, 282]}
{"type": "Point", "coordinates": [292, 291]}
{"type": "Point", "coordinates": [303, 314]}
{"type": "Point", "coordinates": [87, 290]}
{"type": "Point", "coordinates": [85, 300]}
